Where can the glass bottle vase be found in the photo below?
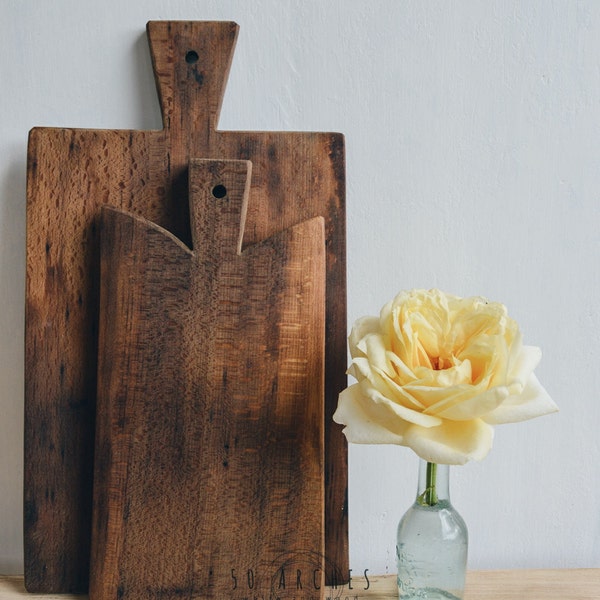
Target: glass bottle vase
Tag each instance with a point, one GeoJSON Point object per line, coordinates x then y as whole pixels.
{"type": "Point", "coordinates": [432, 541]}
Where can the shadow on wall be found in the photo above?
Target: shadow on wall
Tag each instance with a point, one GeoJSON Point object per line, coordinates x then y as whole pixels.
{"type": "Point", "coordinates": [148, 107]}
{"type": "Point", "coordinates": [12, 309]}
{"type": "Point", "coordinates": [13, 174]}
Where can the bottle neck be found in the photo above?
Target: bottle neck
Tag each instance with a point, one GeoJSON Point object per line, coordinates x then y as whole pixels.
{"type": "Point", "coordinates": [433, 483]}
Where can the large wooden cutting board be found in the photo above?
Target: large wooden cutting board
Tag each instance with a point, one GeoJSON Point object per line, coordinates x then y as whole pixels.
{"type": "Point", "coordinates": [209, 445]}
{"type": "Point", "coordinates": [71, 174]}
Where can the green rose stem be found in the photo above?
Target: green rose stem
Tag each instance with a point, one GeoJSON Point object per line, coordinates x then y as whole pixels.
{"type": "Point", "coordinates": [429, 496]}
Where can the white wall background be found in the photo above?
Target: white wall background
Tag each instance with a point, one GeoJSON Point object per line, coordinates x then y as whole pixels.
{"type": "Point", "coordinates": [473, 164]}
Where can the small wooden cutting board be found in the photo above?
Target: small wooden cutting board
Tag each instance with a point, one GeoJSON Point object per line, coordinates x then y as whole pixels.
{"type": "Point", "coordinates": [209, 442]}
{"type": "Point", "coordinates": [72, 173]}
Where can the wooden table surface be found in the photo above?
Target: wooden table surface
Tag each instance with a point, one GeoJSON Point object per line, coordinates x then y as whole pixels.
{"type": "Point", "coordinates": [542, 584]}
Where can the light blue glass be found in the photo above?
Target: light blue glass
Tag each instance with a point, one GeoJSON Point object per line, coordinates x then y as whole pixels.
{"type": "Point", "coordinates": [432, 542]}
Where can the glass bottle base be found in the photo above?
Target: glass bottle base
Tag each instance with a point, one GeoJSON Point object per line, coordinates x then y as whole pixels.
{"type": "Point", "coordinates": [428, 594]}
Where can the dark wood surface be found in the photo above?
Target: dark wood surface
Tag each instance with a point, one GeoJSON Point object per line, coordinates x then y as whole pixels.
{"type": "Point", "coordinates": [210, 432]}
{"type": "Point", "coordinates": [72, 173]}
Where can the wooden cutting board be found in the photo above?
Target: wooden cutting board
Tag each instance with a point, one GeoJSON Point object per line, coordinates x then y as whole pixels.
{"type": "Point", "coordinates": [209, 441]}
{"type": "Point", "coordinates": [71, 174]}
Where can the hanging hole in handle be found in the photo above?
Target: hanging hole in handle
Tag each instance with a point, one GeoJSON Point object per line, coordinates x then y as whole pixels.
{"type": "Point", "coordinates": [219, 191]}
{"type": "Point", "coordinates": [191, 57]}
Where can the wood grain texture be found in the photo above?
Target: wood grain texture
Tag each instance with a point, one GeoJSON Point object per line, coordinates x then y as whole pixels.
{"type": "Point", "coordinates": [517, 584]}
{"type": "Point", "coordinates": [539, 584]}
{"type": "Point", "coordinates": [210, 432]}
{"type": "Point", "coordinates": [71, 174]}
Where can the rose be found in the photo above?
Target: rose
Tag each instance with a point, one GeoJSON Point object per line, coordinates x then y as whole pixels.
{"type": "Point", "coordinates": [435, 372]}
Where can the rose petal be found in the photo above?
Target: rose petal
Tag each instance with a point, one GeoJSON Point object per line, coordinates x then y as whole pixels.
{"type": "Point", "coordinates": [489, 357]}
{"type": "Point", "coordinates": [431, 396]}
{"type": "Point", "coordinates": [363, 369]}
{"type": "Point", "coordinates": [402, 371]}
{"type": "Point", "coordinates": [352, 370]}
{"type": "Point", "coordinates": [396, 333]}
{"type": "Point", "coordinates": [526, 361]}
{"type": "Point", "coordinates": [452, 443]}
{"type": "Point", "coordinates": [392, 411]}
{"type": "Point", "coordinates": [372, 346]}
{"type": "Point", "coordinates": [360, 427]}
{"type": "Point", "coordinates": [471, 408]}
{"type": "Point", "coordinates": [533, 402]}
{"type": "Point", "coordinates": [444, 378]}
{"type": "Point", "coordinates": [360, 329]}
{"type": "Point", "coordinates": [401, 395]}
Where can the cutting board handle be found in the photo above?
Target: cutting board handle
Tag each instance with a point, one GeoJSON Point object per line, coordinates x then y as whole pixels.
{"type": "Point", "coordinates": [218, 202]}
{"type": "Point", "coordinates": [191, 62]}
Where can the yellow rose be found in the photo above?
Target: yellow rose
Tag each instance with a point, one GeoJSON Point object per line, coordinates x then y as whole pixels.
{"type": "Point", "coordinates": [435, 372]}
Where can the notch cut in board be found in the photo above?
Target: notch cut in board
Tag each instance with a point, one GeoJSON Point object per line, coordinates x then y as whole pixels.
{"type": "Point", "coordinates": [209, 446]}
{"type": "Point", "coordinates": [71, 174]}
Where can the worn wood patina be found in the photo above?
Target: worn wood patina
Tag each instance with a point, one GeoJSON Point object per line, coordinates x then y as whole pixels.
{"type": "Point", "coordinates": [72, 173]}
